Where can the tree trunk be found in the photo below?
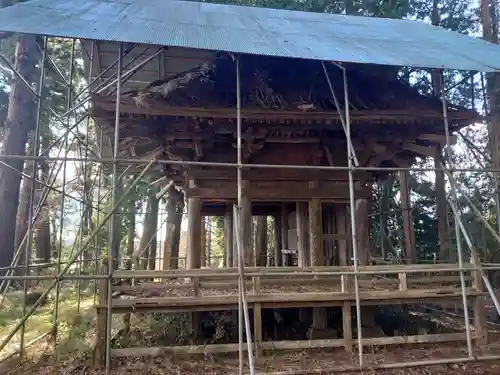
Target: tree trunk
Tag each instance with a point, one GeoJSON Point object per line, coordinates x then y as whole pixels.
{"type": "Point", "coordinates": [43, 241]}
{"type": "Point", "coordinates": [22, 216]}
{"type": "Point", "coordinates": [17, 125]}
{"type": "Point", "coordinates": [42, 236]}
{"type": "Point", "coordinates": [441, 204]}
{"type": "Point", "coordinates": [489, 19]}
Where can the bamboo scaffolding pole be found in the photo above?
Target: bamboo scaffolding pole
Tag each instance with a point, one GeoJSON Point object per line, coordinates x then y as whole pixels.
{"type": "Point", "coordinates": [111, 238]}
{"type": "Point", "coordinates": [55, 320]}
{"type": "Point", "coordinates": [85, 193]}
{"type": "Point", "coordinates": [342, 116]}
{"type": "Point", "coordinates": [60, 275]}
{"type": "Point", "coordinates": [475, 257]}
{"type": "Point", "coordinates": [457, 220]}
{"type": "Point", "coordinates": [133, 161]}
{"type": "Point", "coordinates": [242, 302]}
{"type": "Point", "coordinates": [352, 204]}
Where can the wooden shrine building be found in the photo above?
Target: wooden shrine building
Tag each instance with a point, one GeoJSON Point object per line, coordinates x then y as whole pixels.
{"type": "Point", "coordinates": [290, 116]}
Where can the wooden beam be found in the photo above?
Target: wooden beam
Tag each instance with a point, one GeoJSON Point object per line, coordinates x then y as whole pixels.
{"type": "Point", "coordinates": [302, 235]}
{"type": "Point", "coordinates": [438, 138]}
{"type": "Point", "coordinates": [420, 150]}
{"type": "Point", "coordinates": [277, 191]}
{"type": "Point", "coordinates": [128, 105]}
{"type": "Point", "coordinates": [275, 174]}
{"type": "Point", "coordinates": [363, 208]}
{"type": "Point", "coordinates": [194, 231]}
{"type": "Point", "coordinates": [316, 254]}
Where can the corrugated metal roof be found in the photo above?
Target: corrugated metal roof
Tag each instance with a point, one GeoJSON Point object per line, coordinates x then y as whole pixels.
{"type": "Point", "coordinates": [252, 30]}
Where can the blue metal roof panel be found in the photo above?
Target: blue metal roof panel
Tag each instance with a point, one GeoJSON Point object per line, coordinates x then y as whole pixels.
{"type": "Point", "coordinates": [261, 31]}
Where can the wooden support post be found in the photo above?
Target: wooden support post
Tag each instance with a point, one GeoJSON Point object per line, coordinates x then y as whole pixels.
{"type": "Point", "coordinates": [302, 237]}
{"type": "Point", "coordinates": [171, 208]}
{"type": "Point", "coordinates": [316, 254]}
{"type": "Point", "coordinates": [278, 240]}
{"type": "Point", "coordinates": [194, 247]}
{"type": "Point", "coordinates": [480, 321]}
{"type": "Point", "coordinates": [346, 315]}
{"type": "Point", "coordinates": [363, 229]}
{"type": "Point", "coordinates": [100, 345]}
{"type": "Point", "coordinates": [316, 233]}
{"type": "Point", "coordinates": [176, 240]}
{"type": "Point", "coordinates": [257, 319]}
{"type": "Point", "coordinates": [203, 242]}
{"type": "Point", "coordinates": [228, 237]}
{"type": "Point", "coordinates": [284, 234]}
{"type": "Point", "coordinates": [246, 226]}
{"type": "Point", "coordinates": [261, 242]}
{"type": "Point", "coordinates": [410, 247]}
{"type": "Point", "coordinates": [340, 222]}
{"type": "Point", "coordinates": [194, 232]}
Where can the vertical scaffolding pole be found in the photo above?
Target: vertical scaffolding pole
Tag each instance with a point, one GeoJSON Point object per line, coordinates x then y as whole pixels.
{"type": "Point", "coordinates": [242, 303]}
{"type": "Point", "coordinates": [113, 202]}
{"type": "Point", "coordinates": [84, 208]}
{"type": "Point", "coordinates": [64, 168]}
{"type": "Point", "coordinates": [457, 220]}
{"type": "Point", "coordinates": [36, 150]}
{"type": "Point", "coordinates": [352, 205]}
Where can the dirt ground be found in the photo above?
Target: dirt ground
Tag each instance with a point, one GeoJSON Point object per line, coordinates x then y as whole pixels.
{"type": "Point", "coordinates": [319, 362]}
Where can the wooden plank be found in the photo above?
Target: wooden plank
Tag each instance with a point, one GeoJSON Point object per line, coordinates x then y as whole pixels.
{"type": "Point", "coordinates": [276, 191]}
{"type": "Point", "coordinates": [261, 271]}
{"type": "Point", "coordinates": [275, 174]}
{"type": "Point", "coordinates": [281, 345]}
{"type": "Point", "coordinates": [128, 105]}
{"type": "Point", "coordinates": [385, 295]}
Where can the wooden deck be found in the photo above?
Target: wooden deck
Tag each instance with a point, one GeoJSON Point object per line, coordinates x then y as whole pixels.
{"type": "Point", "coordinates": [286, 287]}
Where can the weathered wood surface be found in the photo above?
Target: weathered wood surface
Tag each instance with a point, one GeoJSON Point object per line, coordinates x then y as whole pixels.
{"type": "Point", "coordinates": [280, 300]}
{"type": "Point", "coordinates": [128, 105]}
{"type": "Point", "coordinates": [283, 345]}
{"type": "Point", "coordinates": [275, 174]}
{"type": "Point", "coordinates": [275, 191]}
